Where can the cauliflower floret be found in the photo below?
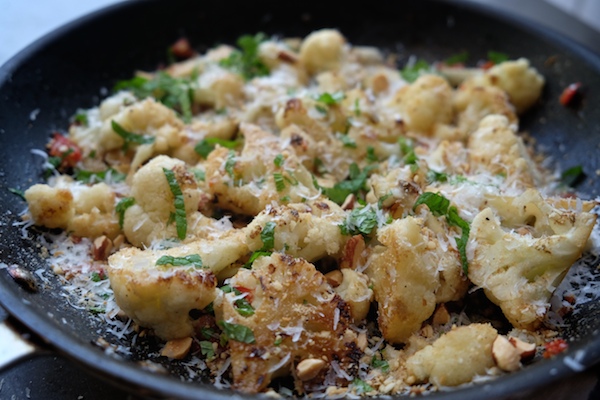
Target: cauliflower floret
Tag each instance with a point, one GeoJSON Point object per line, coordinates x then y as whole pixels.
{"type": "Point", "coordinates": [398, 188]}
{"type": "Point", "coordinates": [248, 182]}
{"type": "Point", "coordinates": [495, 148]}
{"type": "Point", "coordinates": [219, 87]}
{"type": "Point", "coordinates": [405, 277]}
{"type": "Point", "coordinates": [517, 78]}
{"type": "Point", "coordinates": [297, 316]}
{"type": "Point", "coordinates": [307, 230]}
{"type": "Point", "coordinates": [86, 211]}
{"type": "Point", "coordinates": [474, 103]}
{"type": "Point", "coordinates": [147, 117]}
{"type": "Point", "coordinates": [456, 357]}
{"type": "Point", "coordinates": [424, 104]}
{"type": "Point", "coordinates": [150, 218]}
{"type": "Point", "coordinates": [322, 50]}
{"type": "Point", "coordinates": [519, 250]}
{"type": "Point", "coordinates": [160, 297]}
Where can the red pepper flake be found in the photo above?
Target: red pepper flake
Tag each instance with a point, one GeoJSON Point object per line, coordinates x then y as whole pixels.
{"type": "Point", "coordinates": [65, 149]}
{"type": "Point", "coordinates": [249, 295]}
{"type": "Point", "coordinates": [182, 49]}
{"type": "Point", "coordinates": [486, 65]}
{"type": "Point", "coordinates": [555, 347]}
{"type": "Point", "coordinates": [571, 94]}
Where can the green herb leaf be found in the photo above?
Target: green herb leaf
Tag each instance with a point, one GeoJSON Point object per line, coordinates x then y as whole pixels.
{"type": "Point", "coordinates": [439, 205]}
{"type": "Point", "coordinates": [180, 215]}
{"type": "Point", "coordinates": [347, 141]}
{"type": "Point", "coordinates": [175, 93]}
{"type": "Point", "coordinates": [122, 206]}
{"type": "Point", "coordinates": [193, 260]}
{"type": "Point", "coordinates": [497, 57]}
{"type": "Point", "coordinates": [267, 235]}
{"type": "Point", "coordinates": [129, 137]}
{"type": "Point", "coordinates": [256, 255]}
{"type": "Point", "coordinates": [361, 386]}
{"type": "Point", "coordinates": [434, 176]}
{"type": "Point", "coordinates": [246, 61]}
{"type": "Point", "coordinates": [236, 332]}
{"type": "Point", "coordinates": [360, 221]}
{"type": "Point", "coordinates": [18, 192]}
{"type": "Point", "coordinates": [278, 160]}
{"type": "Point", "coordinates": [279, 181]}
{"type": "Point", "coordinates": [330, 99]}
{"type": "Point", "coordinates": [99, 176]}
{"type": "Point", "coordinates": [356, 182]}
{"type": "Point", "coordinates": [199, 174]}
{"type": "Point", "coordinates": [207, 349]}
{"type": "Point", "coordinates": [81, 118]}
{"type": "Point", "coordinates": [230, 164]}
{"type": "Point", "coordinates": [380, 363]}
{"type": "Point", "coordinates": [206, 146]}
{"type": "Point", "coordinates": [98, 277]}
{"type": "Point", "coordinates": [371, 156]}
{"type": "Point", "coordinates": [572, 176]}
{"type": "Point", "coordinates": [411, 73]}
{"type": "Point", "coordinates": [408, 151]}
{"type": "Point", "coordinates": [459, 58]}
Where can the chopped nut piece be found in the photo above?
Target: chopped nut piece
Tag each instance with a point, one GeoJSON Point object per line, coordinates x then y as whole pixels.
{"type": "Point", "coordinates": [526, 350]}
{"type": "Point", "coordinates": [353, 253]}
{"type": "Point", "coordinates": [309, 368]}
{"type": "Point", "coordinates": [348, 203]}
{"type": "Point", "coordinates": [102, 248]}
{"type": "Point", "coordinates": [441, 315]}
{"type": "Point", "coordinates": [505, 354]}
{"type": "Point", "coordinates": [177, 348]}
{"type": "Point", "coordinates": [334, 278]}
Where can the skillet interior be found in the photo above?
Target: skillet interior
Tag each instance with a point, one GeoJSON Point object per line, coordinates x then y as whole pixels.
{"type": "Point", "coordinates": [77, 65]}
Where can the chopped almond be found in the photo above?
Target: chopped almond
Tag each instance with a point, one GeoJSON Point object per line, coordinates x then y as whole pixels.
{"type": "Point", "coordinates": [177, 348]}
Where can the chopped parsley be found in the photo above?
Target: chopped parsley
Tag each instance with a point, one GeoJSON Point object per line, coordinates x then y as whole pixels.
{"type": "Point", "coordinates": [175, 93]}
{"type": "Point", "coordinates": [81, 118]}
{"type": "Point", "coordinates": [18, 192]}
{"type": "Point", "coordinates": [279, 181]}
{"type": "Point", "coordinates": [434, 176]}
{"type": "Point", "coordinates": [236, 332]}
{"type": "Point", "coordinates": [356, 182]}
{"type": "Point", "coordinates": [99, 176]}
{"type": "Point", "coordinates": [246, 61]}
{"type": "Point", "coordinates": [129, 137]}
{"type": "Point", "coordinates": [278, 160]}
{"type": "Point", "coordinates": [180, 215]}
{"type": "Point", "coordinates": [380, 363]}
{"type": "Point", "coordinates": [98, 276]}
{"type": "Point", "coordinates": [459, 58]}
{"type": "Point", "coordinates": [408, 151]}
{"type": "Point", "coordinates": [371, 156]}
{"type": "Point", "coordinates": [497, 57]}
{"type": "Point", "coordinates": [193, 260]}
{"type": "Point", "coordinates": [360, 221]}
{"type": "Point", "coordinates": [242, 305]}
{"type": "Point", "coordinates": [361, 386]}
{"type": "Point", "coordinates": [267, 235]}
{"type": "Point", "coordinates": [572, 176]}
{"type": "Point", "coordinates": [330, 99]}
{"type": "Point", "coordinates": [412, 71]}
{"type": "Point", "coordinates": [347, 141]}
{"type": "Point", "coordinates": [207, 349]}
{"type": "Point", "coordinates": [440, 206]}
{"type": "Point", "coordinates": [122, 206]}
{"type": "Point", "coordinates": [206, 146]}
{"type": "Point", "coordinates": [230, 164]}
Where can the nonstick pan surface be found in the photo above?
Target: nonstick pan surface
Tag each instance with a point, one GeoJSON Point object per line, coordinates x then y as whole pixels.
{"type": "Point", "coordinates": [77, 65]}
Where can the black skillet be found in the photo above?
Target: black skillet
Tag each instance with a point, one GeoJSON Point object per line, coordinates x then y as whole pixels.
{"type": "Point", "coordinates": [75, 67]}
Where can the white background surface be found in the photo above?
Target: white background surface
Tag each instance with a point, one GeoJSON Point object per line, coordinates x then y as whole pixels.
{"type": "Point", "coordinates": [24, 21]}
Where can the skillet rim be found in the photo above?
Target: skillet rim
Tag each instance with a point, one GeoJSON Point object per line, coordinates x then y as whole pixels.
{"type": "Point", "coordinates": [125, 374]}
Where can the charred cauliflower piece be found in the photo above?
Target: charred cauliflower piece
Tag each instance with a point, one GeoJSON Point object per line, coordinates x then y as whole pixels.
{"type": "Point", "coordinates": [456, 357]}
{"type": "Point", "coordinates": [405, 277]}
{"type": "Point", "coordinates": [160, 297]}
{"type": "Point", "coordinates": [474, 103]}
{"type": "Point", "coordinates": [247, 182]}
{"type": "Point", "coordinates": [307, 230]}
{"type": "Point", "coordinates": [86, 211]}
{"type": "Point", "coordinates": [297, 316]}
{"type": "Point", "coordinates": [519, 250]}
